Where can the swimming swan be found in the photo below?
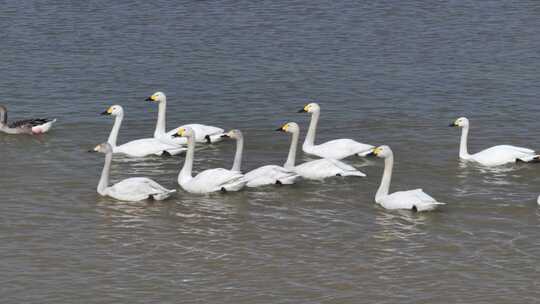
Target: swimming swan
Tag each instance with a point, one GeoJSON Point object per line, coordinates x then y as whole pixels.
{"type": "Point", "coordinates": [415, 200]}
{"type": "Point", "coordinates": [335, 149]}
{"type": "Point", "coordinates": [265, 175]}
{"type": "Point", "coordinates": [210, 180]}
{"type": "Point", "coordinates": [204, 133]}
{"type": "Point", "coordinates": [140, 147]}
{"type": "Point", "coordinates": [131, 189]}
{"type": "Point", "coordinates": [26, 126]}
{"type": "Point", "coordinates": [317, 169]}
{"type": "Point", "coordinates": [494, 156]}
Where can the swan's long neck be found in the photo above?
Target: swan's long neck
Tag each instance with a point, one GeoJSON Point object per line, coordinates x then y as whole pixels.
{"type": "Point", "coordinates": [104, 180]}
{"type": "Point", "coordinates": [113, 136]}
{"type": "Point", "coordinates": [463, 152]}
{"type": "Point", "coordinates": [291, 158]}
{"type": "Point", "coordinates": [185, 173]}
{"type": "Point", "coordinates": [162, 114]}
{"type": "Point", "coordinates": [310, 136]}
{"type": "Point", "coordinates": [3, 116]}
{"type": "Point", "coordinates": [386, 178]}
{"type": "Point", "coordinates": [238, 155]}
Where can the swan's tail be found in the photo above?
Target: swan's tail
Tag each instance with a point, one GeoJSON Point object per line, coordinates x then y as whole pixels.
{"type": "Point", "coordinates": [163, 195]}
{"type": "Point", "coordinates": [530, 159]}
{"type": "Point", "coordinates": [353, 173]}
{"type": "Point", "coordinates": [428, 206]}
{"type": "Point", "coordinates": [235, 185]}
{"type": "Point", "coordinates": [289, 180]}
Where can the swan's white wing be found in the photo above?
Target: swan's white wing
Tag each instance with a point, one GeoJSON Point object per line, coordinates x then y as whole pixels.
{"type": "Point", "coordinates": [338, 149]}
{"type": "Point", "coordinates": [323, 168]}
{"type": "Point", "coordinates": [201, 131]}
{"type": "Point", "coordinates": [409, 200]}
{"type": "Point", "coordinates": [213, 180]}
{"type": "Point", "coordinates": [146, 146]}
{"type": "Point", "coordinates": [269, 175]}
{"type": "Point", "coordinates": [503, 154]}
{"type": "Point", "coordinates": [138, 188]}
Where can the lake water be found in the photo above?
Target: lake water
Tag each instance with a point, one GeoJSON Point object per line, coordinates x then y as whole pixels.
{"type": "Point", "coordinates": [384, 72]}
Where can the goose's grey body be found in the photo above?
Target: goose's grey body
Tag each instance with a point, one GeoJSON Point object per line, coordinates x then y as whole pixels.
{"type": "Point", "coordinates": [25, 126]}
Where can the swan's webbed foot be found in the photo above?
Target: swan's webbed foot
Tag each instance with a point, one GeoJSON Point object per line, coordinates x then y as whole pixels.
{"type": "Point", "coordinates": [166, 154]}
{"type": "Point", "coordinates": [339, 174]}
{"type": "Point", "coordinates": [414, 209]}
{"type": "Point", "coordinates": [279, 183]}
{"type": "Point", "coordinates": [223, 190]}
{"type": "Point", "coordinates": [208, 139]}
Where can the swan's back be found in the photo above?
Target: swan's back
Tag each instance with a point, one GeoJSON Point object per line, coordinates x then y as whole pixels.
{"type": "Point", "coordinates": [147, 146]}
{"type": "Point", "coordinates": [503, 154]}
{"type": "Point", "coordinates": [416, 200]}
{"type": "Point", "coordinates": [138, 188]}
{"type": "Point", "coordinates": [213, 180]}
{"type": "Point", "coordinates": [338, 148]}
{"type": "Point", "coordinates": [268, 175]}
{"type": "Point", "coordinates": [323, 168]}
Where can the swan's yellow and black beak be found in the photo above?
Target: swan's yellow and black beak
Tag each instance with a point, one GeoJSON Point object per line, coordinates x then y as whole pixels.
{"type": "Point", "coordinates": [96, 149]}
{"type": "Point", "coordinates": [375, 152]}
{"type": "Point", "coordinates": [107, 112]}
{"type": "Point", "coordinates": [152, 98]}
{"type": "Point", "coordinates": [283, 128]}
{"type": "Point", "coordinates": [304, 109]}
{"type": "Point", "coordinates": [180, 133]}
{"type": "Point", "coordinates": [453, 124]}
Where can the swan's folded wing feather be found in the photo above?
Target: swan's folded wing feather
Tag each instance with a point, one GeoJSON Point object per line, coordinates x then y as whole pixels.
{"type": "Point", "coordinates": [342, 147]}
{"type": "Point", "coordinates": [217, 177]}
{"type": "Point", "coordinates": [137, 188]}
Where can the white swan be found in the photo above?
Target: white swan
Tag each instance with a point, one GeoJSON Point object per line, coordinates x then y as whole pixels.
{"type": "Point", "coordinates": [317, 169]}
{"type": "Point", "coordinates": [204, 133]}
{"type": "Point", "coordinates": [335, 149]}
{"type": "Point", "coordinates": [265, 175]}
{"type": "Point", "coordinates": [140, 147]}
{"type": "Point", "coordinates": [210, 180]}
{"type": "Point", "coordinates": [131, 189]}
{"type": "Point", "coordinates": [494, 156]}
{"type": "Point", "coordinates": [415, 200]}
{"type": "Point", "coordinates": [26, 126]}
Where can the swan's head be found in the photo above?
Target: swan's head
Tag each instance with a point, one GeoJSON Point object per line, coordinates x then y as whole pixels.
{"type": "Point", "coordinates": [310, 108]}
{"type": "Point", "coordinates": [185, 132]}
{"type": "Point", "coordinates": [235, 134]}
{"type": "Point", "coordinates": [460, 122]}
{"type": "Point", "coordinates": [290, 127]}
{"type": "Point", "coordinates": [157, 97]}
{"type": "Point", "coordinates": [113, 110]}
{"type": "Point", "coordinates": [102, 148]}
{"type": "Point", "coordinates": [382, 151]}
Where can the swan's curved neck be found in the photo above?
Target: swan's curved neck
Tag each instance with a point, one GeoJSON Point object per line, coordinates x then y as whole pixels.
{"type": "Point", "coordinates": [237, 165]}
{"type": "Point", "coordinates": [310, 136]}
{"type": "Point", "coordinates": [104, 180]}
{"type": "Point", "coordinates": [185, 173]}
{"type": "Point", "coordinates": [291, 158]}
{"type": "Point", "coordinates": [162, 114]}
{"type": "Point", "coordinates": [463, 152]}
{"type": "Point", "coordinates": [113, 136]}
{"type": "Point", "coordinates": [3, 116]}
{"type": "Point", "coordinates": [386, 178]}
